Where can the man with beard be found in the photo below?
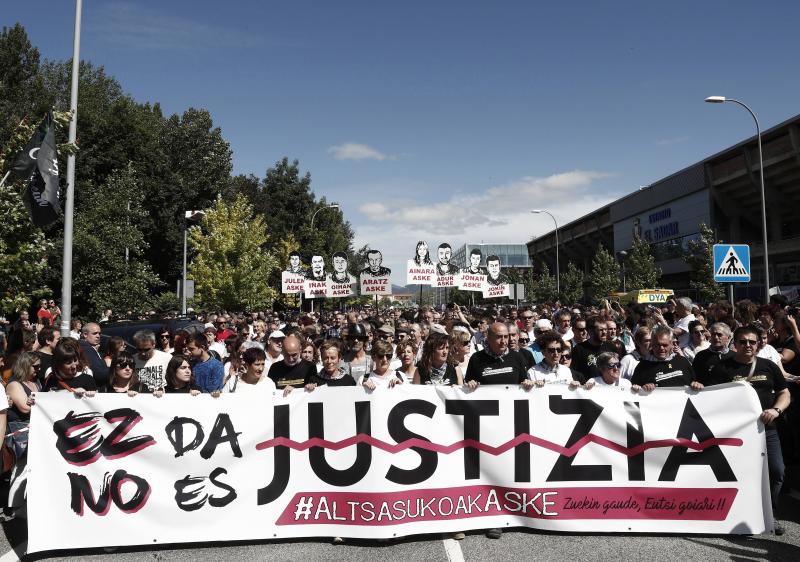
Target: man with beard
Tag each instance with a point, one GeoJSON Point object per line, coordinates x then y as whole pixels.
{"type": "Point", "coordinates": [584, 355]}
{"type": "Point", "coordinates": [494, 276]}
{"type": "Point", "coordinates": [317, 272]}
{"type": "Point", "coordinates": [444, 267]}
{"type": "Point", "coordinates": [375, 269]}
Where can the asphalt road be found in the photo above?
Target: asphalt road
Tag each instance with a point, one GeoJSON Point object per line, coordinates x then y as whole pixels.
{"type": "Point", "coordinates": [518, 544]}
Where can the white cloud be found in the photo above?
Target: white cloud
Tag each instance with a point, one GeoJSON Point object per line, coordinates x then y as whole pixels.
{"type": "Point", "coordinates": [356, 151]}
{"type": "Point", "coordinates": [500, 214]}
{"type": "Point", "coordinates": [136, 27]}
{"type": "Point", "coordinates": [671, 141]}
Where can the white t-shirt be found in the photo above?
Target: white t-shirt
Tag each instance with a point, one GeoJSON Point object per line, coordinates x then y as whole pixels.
{"type": "Point", "coordinates": [152, 372]}
{"type": "Point", "coordinates": [627, 365]}
{"type": "Point", "coordinates": [769, 352]}
{"type": "Point", "coordinates": [683, 324]}
{"type": "Point", "coordinates": [378, 380]}
{"type": "Point", "coordinates": [235, 384]}
{"type": "Point", "coordinates": [691, 352]}
{"type": "Point", "coordinates": [541, 372]}
{"type": "Point", "coordinates": [620, 383]}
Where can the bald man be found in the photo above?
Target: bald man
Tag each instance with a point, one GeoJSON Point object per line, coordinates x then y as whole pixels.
{"type": "Point", "coordinates": [496, 363]}
{"type": "Point", "coordinates": [292, 371]}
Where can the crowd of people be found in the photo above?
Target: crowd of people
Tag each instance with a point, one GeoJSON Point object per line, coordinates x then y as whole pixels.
{"type": "Point", "coordinates": [636, 347]}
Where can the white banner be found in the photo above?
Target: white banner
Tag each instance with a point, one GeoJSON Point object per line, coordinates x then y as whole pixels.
{"type": "Point", "coordinates": [113, 470]}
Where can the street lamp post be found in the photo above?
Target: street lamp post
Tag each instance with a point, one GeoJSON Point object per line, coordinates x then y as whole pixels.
{"type": "Point", "coordinates": [189, 216]}
{"type": "Point", "coordinates": [558, 270]}
{"type": "Point", "coordinates": [330, 206]}
{"type": "Point", "coordinates": [723, 99]}
{"type": "Point", "coordinates": [622, 255]}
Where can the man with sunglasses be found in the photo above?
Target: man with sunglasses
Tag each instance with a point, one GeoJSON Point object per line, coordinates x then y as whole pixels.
{"type": "Point", "coordinates": [151, 363]}
{"type": "Point", "coordinates": [662, 367]}
{"type": "Point", "coordinates": [767, 380]}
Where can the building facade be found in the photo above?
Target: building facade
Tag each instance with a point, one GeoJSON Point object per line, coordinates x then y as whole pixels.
{"type": "Point", "coordinates": [722, 191]}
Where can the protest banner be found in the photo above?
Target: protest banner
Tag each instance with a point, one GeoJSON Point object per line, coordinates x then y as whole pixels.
{"type": "Point", "coordinates": [113, 470]}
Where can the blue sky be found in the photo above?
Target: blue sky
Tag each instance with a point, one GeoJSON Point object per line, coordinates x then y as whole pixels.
{"type": "Point", "coordinates": [449, 120]}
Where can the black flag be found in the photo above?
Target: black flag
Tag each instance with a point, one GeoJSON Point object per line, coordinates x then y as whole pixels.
{"type": "Point", "coordinates": [38, 163]}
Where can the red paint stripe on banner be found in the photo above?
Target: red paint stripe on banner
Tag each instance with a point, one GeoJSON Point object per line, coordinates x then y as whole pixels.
{"type": "Point", "coordinates": [499, 450]}
{"type": "Point", "coordinates": [444, 504]}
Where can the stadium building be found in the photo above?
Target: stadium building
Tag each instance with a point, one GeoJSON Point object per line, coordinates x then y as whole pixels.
{"type": "Point", "coordinates": [722, 191]}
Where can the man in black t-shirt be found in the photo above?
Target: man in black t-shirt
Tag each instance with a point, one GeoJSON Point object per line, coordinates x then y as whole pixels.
{"type": "Point", "coordinates": [584, 355]}
{"type": "Point", "coordinates": [767, 380]}
{"type": "Point", "coordinates": [497, 364]}
{"type": "Point", "coordinates": [662, 367]}
{"type": "Point", "coordinates": [293, 371]}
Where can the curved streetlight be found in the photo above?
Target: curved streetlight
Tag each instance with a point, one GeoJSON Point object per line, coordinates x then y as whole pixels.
{"type": "Point", "coordinates": [723, 99]}
{"type": "Point", "coordinates": [329, 206]}
{"type": "Point", "coordinates": [558, 271]}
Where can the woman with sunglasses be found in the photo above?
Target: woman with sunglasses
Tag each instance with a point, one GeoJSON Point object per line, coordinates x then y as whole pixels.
{"type": "Point", "coordinates": [433, 366]}
{"type": "Point", "coordinates": [609, 366]}
{"type": "Point", "coordinates": [122, 376]}
{"type": "Point", "coordinates": [550, 369]}
{"type": "Point", "coordinates": [697, 340]}
{"type": "Point", "coordinates": [164, 340]}
{"type": "Point", "coordinates": [21, 390]}
{"type": "Point", "coordinates": [641, 340]}
{"type": "Point", "coordinates": [460, 347]}
{"type": "Point", "coordinates": [381, 375]}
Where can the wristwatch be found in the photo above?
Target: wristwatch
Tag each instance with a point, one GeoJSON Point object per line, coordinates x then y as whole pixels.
{"type": "Point", "coordinates": [777, 410]}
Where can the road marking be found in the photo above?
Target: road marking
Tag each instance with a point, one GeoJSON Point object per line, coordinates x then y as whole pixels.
{"type": "Point", "coordinates": [11, 555]}
{"type": "Point", "coordinates": [451, 548]}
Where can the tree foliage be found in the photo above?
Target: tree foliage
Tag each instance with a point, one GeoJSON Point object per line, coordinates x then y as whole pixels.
{"type": "Point", "coordinates": [105, 227]}
{"type": "Point", "coordinates": [641, 271]}
{"type": "Point", "coordinates": [544, 286]}
{"type": "Point", "coordinates": [572, 284]}
{"type": "Point", "coordinates": [231, 264]}
{"type": "Point", "coordinates": [605, 275]}
{"type": "Point", "coordinates": [699, 256]}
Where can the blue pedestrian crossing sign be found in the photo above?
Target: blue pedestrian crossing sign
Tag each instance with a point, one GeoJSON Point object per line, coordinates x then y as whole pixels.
{"type": "Point", "coordinates": [731, 263]}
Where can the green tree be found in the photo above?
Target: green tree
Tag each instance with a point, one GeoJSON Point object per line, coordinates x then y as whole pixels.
{"type": "Point", "coordinates": [641, 271]}
{"type": "Point", "coordinates": [572, 284]}
{"type": "Point", "coordinates": [699, 256]}
{"type": "Point", "coordinates": [604, 278]}
{"type": "Point", "coordinates": [22, 91]}
{"type": "Point", "coordinates": [230, 263]}
{"type": "Point", "coordinates": [544, 286]}
{"type": "Point", "coordinates": [105, 227]}
{"type": "Point", "coordinates": [23, 254]}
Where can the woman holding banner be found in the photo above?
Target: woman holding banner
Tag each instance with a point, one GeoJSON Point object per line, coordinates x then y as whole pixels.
{"type": "Point", "coordinates": [179, 378]}
{"type": "Point", "coordinates": [122, 378]}
{"type": "Point", "coordinates": [21, 390]}
{"type": "Point", "coordinates": [70, 370]}
{"type": "Point", "coordinates": [433, 367]}
{"type": "Point", "coordinates": [406, 352]}
{"type": "Point", "coordinates": [381, 375]}
{"type": "Point", "coordinates": [334, 372]}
